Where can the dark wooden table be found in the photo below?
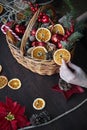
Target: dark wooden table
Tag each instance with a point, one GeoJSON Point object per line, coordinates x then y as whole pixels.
{"type": "Point", "coordinates": [66, 114]}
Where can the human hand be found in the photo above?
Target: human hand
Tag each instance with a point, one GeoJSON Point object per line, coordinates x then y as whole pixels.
{"type": "Point", "coordinates": [73, 74]}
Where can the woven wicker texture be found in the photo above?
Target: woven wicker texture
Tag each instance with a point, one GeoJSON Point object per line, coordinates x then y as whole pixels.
{"type": "Point", "coordinates": [43, 67]}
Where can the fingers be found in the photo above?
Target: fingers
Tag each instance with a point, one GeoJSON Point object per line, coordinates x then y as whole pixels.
{"type": "Point", "coordinates": [64, 64]}
{"type": "Point", "coordinates": [66, 73]}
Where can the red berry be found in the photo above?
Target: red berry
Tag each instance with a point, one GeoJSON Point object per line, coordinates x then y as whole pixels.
{"type": "Point", "coordinates": [45, 19]}
{"type": "Point", "coordinates": [35, 43]}
{"type": "Point", "coordinates": [33, 32]}
{"type": "Point", "coordinates": [59, 45]}
{"type": "Point", "coordinates": [36, 5]}
{"type": "Point", "coordinates": [72, 30]}
{"type": "Point", "coordinates": [41, 43]}
{"type": "Point", "coordinates": [44, 13]}
{"type": "Point", "coordinates": [41, 14]}
{"type": "Point", "coordinates": [39, 20]}
{"type": "Point", "coordinates": [32, 8]}
{"type": "Point", "coordinates": [63, 39]}
{"type": "Point", "coordinates": [68, 33]}
{"type": "Point", "coordinates": [65, 36]}
{"type": "Point", "coordinates": [54, 38]}
{"type": "Point", "coordinates": [36, 8]}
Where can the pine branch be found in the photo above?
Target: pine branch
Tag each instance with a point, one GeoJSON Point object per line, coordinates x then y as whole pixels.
{"type": "Point", "coordinates": [79, 26]}
{"type": "Point", "coordinates": [75, 37]}
{"type": "Point", "coordinates": [67, 45]}
{"type": "Point", "coordinates": [66, 20]}
{"type": "Point", "coordinates": [68, 2]}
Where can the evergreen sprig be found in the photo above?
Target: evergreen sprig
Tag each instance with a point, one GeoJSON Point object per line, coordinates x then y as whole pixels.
{"type": "Point", "coordinates": [79, 26]}
{"type": "Point", "coordinates": [66, 20]}
{"type": "Point", "coordinates": [69, 4]}
{"type": "Point", "coordinates": [67, 45]}
{"type": "Point", "coordinates": [75, 37]}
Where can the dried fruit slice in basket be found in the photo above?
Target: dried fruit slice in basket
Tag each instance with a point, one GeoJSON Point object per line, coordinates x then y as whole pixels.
{"type": "Point", "coordinates": [3, 81]}
{"type": "Point", "coordinates": [58, 28]}
{"type": "Point", "coordinates": [43, 34]}
{"type": "Point", "coordinates": [61, 54]}
{"type": "Point", "coordinates": [11, 38]}
{"type": "Point", "coordinates": [1, 8]}
{"type": "Point", "coordinates": [14, 83]}
{"type": "Point", "coordinates": [39, 104]}
{"type": "Point", "coordinates": [39, 53]}
{"type": "Point", "coordinates": [0, 68]}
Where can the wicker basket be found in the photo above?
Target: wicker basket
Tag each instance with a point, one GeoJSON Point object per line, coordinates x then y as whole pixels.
{"type": "Point", "coordinates": [44, 67]}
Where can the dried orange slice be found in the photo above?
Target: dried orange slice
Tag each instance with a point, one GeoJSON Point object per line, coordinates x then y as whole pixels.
{"type": "Point", "coordinates": [3, 81]}
{"type": "Point", "coordinates": [39, 53]}
{"type": "Point", "coordinates": [1, 8]}
{"type": "Point", "coordinates": [0, 68]}
{"type": "Point", "coordinates": [11, 38]}
{"type": "Point", "coordinates": [39, 104]}
{"type": "Point", "coordinates": [43, 34]}
{"type": "Point", "coordinates": [14, 83]}
{"type": "Point", "coordinates": [61, 54]}
{"type": "Point", "coordinates": [58, 28]}
{"type": "Point", "coordinates": [20, 16]}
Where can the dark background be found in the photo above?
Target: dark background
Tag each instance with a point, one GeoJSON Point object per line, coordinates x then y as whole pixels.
{"type": "Point", "coordinates": [34, 85]}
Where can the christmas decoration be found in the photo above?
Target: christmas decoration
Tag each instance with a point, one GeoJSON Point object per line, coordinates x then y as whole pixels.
{"type": "Point", "coordinates": [68, 92]}
{"type": "Point", "coordinates": [19, 30]}
{"type": "Point", "coordinates": [12, 114]}
{"type": "Point", "coordinates": [40, 118]}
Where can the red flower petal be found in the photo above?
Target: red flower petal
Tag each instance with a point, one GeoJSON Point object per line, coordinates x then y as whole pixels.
{"type": "Point", "coordinates": [18, 109]}
{"type": "Point", "coordinates": [75, 89]}
{"type": "Point", "coordinates": [22, 121]}
{"type": "Point", "coordinates": [14, 125]}
{"type": "Point", "coordinates": [4, 124]}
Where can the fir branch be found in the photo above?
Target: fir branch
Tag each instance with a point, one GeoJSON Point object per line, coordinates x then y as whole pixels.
{"type": "Point", "coordinates": [79, 26]}
{"type": "Point", "coordinates": [66, 20]}
{"type": "Point", "coordinates": [67, 45]}
{"type": "Point", "coordinates": [71, 7]}
{"type": "Point", "coordinates": [68, 2]}
{"type": "Point", "coordinates": [75, 37]}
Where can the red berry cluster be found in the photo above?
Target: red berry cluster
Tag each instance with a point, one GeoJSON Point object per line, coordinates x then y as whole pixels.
{"type": "Point", "coordinates": [43, 17]}
{"type": "Point", "coordinates": [37, 43]}
{"type": "Point", "coordinates": [33, 7]}
{"type": "Point", "coordinates": [56, 38]}
{"type": "Point", "coordinates": [68, 32]}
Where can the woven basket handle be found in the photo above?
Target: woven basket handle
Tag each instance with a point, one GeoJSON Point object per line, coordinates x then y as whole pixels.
{"type": "Point", "coordinates": [30, 26]}
{"type": "Point", "coordinates": [28, 30]}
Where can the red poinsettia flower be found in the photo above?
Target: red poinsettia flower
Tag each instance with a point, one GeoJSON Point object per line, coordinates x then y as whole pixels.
{"type": "Point", "coordinates": [12, 115]}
